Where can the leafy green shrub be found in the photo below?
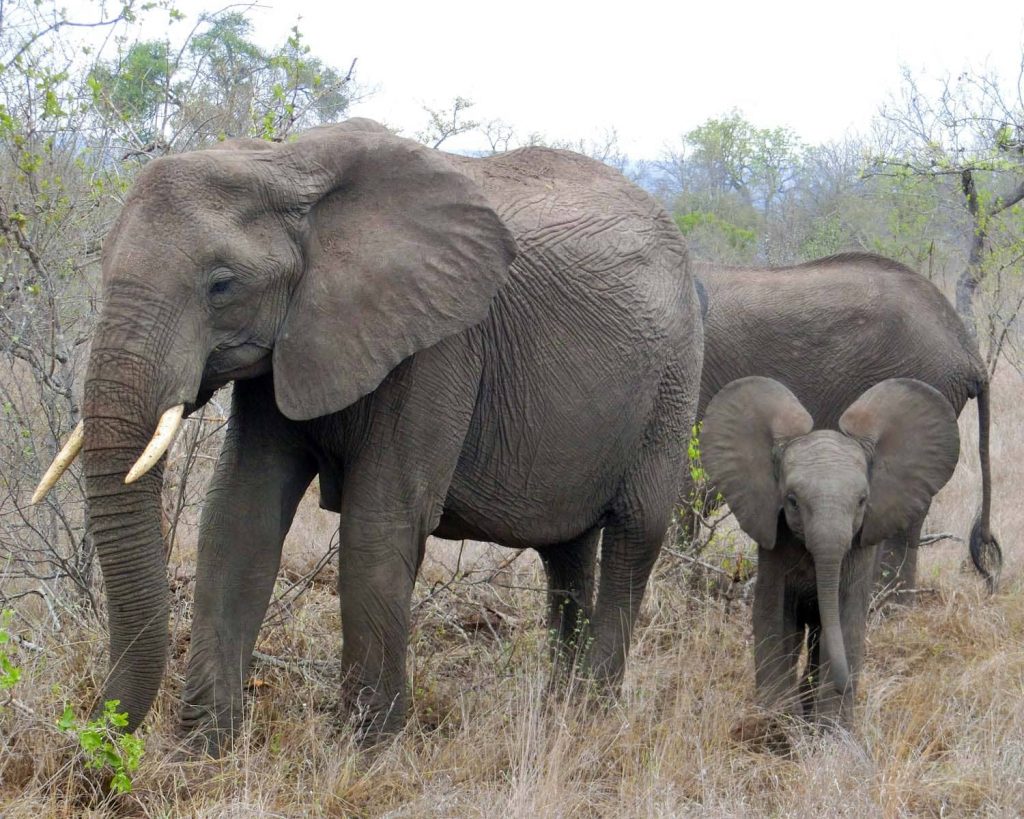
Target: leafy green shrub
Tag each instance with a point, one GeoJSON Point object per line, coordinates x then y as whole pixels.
{"type": "Point", "coordinates": [9, 672]}
{"type": "Point", "coordinates": [701, 502]}
{"type": "Point", "coordinates": [105, 745]}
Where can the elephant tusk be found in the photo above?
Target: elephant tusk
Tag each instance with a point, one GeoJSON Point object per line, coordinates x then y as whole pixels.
{"type": "Point", "coordinates": [64, 459]}
{"type": "Point", "coordinates": [158, 444]}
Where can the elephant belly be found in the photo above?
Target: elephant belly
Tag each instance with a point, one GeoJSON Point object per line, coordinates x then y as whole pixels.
{"type": "Point", "coordinates": [566, 399]}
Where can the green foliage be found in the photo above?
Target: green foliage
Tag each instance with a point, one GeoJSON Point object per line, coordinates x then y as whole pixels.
{"type": "Point", "coordinates": [701, 501]}
{"type": "Point", "coordinates": [134, 88]}
{"type": "Point", "coordinates": [905, 220]}
{"type": "Point", "coordinates": [220, 83]}
{"type": "Point", "coordinates": [308, 77]}
{"type": "Point", "coordinates": [739, 565]}
{"type": "Point", "coordinates": [225, 45]}
{"type": "Point", "coordinates": [443, 124]}
{"type": "Point", "coordinates": [736, 237]}
{"type": "Point", "coordinates": [104, 744]}
{"type": "Point", "coordinates": [697, 473]}
{"type": "Point", "coordinates": [731, 178]}
{"type": "Point", "coordinates": [735, 156]}
{"type": "Point", "coordinates": [266, 94]}
{"type": "Point", "coordinates": [702, 497]}
{"type": "Point", "coordinates": [9, 672]}
{"type": "Point", "coordinates": [827, 235]}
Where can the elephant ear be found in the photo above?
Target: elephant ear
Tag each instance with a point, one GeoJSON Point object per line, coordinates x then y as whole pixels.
{"type": "Point", "coordinates": [403, 251]}
{"type": "Point", "coordinates": [744, 425]}
{"type": "Point", "coordinates": [910, 433]}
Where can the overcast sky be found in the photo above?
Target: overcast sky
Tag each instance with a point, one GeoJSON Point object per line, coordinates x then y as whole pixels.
{"type": "Point", "coordinates": [649, 70]}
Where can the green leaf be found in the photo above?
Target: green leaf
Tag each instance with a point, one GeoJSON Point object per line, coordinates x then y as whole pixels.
{"type": "Point", "coordinates": [121, 783]}
{"type": "Point", "coordinates": [67, 720]}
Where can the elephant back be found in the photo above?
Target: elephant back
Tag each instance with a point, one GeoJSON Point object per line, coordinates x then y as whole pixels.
{"type": "Point", "coordinates": [832, 328]}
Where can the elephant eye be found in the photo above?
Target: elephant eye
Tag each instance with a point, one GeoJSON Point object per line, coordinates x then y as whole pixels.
{"type": "Point", "coordinates": [220, 285]}
{"type": "Point", "coordinates": [862, 501]}
{"type": "Point", "coordinates": [791, 500]}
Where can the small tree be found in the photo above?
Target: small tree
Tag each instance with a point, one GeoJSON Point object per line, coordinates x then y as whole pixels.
{"type": "Point", "coordinates": [729, 184]}
{"type": "Point", "coordinates": [970, 135]}
{"type": "Point", "coordinates": [445, 123]}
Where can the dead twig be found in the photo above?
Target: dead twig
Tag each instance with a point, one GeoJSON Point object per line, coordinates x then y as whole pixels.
{"type": "Point", "coordinates": [696, 561]}
{"type": "Point", "coordinates": [928, 540]}
{"type": "Point", "coordinates": [21, 642]}
{"type": "Point", "coordinates": [893, 594]}
{"type": "Point", "coordinates": [318, 666]}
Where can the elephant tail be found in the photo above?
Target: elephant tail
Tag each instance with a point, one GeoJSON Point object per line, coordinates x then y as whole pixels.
{"type": "Point", "coordinates": [986, 554]}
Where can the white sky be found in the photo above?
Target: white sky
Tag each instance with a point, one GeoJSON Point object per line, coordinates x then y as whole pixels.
{"type": "Point", "coordinates": [649, 70]}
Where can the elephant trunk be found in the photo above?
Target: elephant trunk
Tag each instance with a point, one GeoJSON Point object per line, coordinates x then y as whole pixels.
{"type": "Point", "coordinates": [828, 571]}
{"type": "Point", "coordinates": [135, 374]}
{"type": "Point", "coordinates": [124, 521]}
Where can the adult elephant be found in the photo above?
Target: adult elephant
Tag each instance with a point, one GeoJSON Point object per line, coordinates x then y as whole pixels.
{"type": "Point", "coordinates": [366, 296]}
{"type": "Point", "coordinates": [830, 329]}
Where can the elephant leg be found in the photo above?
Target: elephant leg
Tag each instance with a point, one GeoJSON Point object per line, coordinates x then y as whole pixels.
{"type": "Point", "coordinates": [260, 478]}
{"type": "Point", "coordinates": [407, 437]}
{"type": "Point", "coordinates": [628, 553]}
{"type": "Point", "coordinates": [630, 545]}
{"type": "Point", "coordinates": [570, 569]}
{"type": "Point", "coordinates": [778, 633]}
{"type": "Point", "coordinates": [854, 599]}
{"type": "Point", "coordinates": [896, 563]}
{"type": "Point", "coordinates": [377, 570]}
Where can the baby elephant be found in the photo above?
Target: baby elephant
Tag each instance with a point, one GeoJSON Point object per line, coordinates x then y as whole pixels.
{"type": "Point", "coordinates": [817, 504]}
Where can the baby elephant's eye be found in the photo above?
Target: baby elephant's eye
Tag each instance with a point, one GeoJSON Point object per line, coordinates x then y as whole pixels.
{"type": "Point", "coordinates": [862, 500]}
{"type": "Point", "coordinates": [791, 500]}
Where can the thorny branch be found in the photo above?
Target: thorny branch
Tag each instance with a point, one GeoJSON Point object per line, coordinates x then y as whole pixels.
{"type": "Point", "coordinates": [57, 25]}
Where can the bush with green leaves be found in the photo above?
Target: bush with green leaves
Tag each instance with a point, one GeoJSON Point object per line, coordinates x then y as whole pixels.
{"type": "Point", "coordinates": [9, 672]}
{"type": "Point", "coordinates": [105, 745]}
{"type": "Point", "coordinates": [701, 502]}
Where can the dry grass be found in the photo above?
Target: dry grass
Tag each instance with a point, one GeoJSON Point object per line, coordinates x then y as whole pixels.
{"type": "Point", "coordinates": [940, 730]}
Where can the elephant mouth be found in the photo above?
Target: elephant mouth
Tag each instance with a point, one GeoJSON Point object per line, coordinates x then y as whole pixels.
{"type": "Point", "coordinates": [234, 364]}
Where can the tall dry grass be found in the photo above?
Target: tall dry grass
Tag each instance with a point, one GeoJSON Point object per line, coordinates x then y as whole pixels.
{"type": "Point", "coordinates": [940, 729]}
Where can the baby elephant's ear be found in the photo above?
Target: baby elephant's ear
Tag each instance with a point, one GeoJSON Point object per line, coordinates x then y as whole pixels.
{"type": "Point", "coordinates": [743, 424]}
{"type": "Point", "coordinates": [910, 434]}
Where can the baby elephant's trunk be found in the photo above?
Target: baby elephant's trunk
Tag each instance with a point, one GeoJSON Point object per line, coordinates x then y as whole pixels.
{"type": "Point", "coordinates": [828, 571]}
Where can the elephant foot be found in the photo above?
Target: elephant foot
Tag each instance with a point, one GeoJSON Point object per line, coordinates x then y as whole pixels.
{"type": "Point", "coordinates": [204, 732]}
{"type": "Point", "coordinates": [370, 736]}
{"type": "Point", "coordinates": [373, 719]}
{"type": "Point", "coordinates": [766, 733]}
{"type": "Point", "coordinates": [195, 744]}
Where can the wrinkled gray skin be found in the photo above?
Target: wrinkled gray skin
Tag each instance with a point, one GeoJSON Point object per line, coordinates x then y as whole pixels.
{"type": "Point", "coordinates": [505, 349]}
{"type": "Point", "coordinates": [817, 503]}
{"type": "Point", "coordinates": [831, 328]}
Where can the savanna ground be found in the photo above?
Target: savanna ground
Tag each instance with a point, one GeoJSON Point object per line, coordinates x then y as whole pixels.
{"type": "Point", "coordinates": [941, 709]}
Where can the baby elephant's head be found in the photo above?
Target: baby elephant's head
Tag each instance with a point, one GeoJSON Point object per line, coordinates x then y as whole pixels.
{"type": "Point", "coordinates": [896, 446]}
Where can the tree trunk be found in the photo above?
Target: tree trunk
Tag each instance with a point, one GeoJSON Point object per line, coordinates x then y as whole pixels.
{"type": "Point", "coordinates": [968, 281]}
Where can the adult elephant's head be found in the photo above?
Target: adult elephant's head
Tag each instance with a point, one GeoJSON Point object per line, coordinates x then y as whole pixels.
{"type": "Point", "coordinates": [897, 446]}
{"type": "Point", "coordinates": [328, 260]}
